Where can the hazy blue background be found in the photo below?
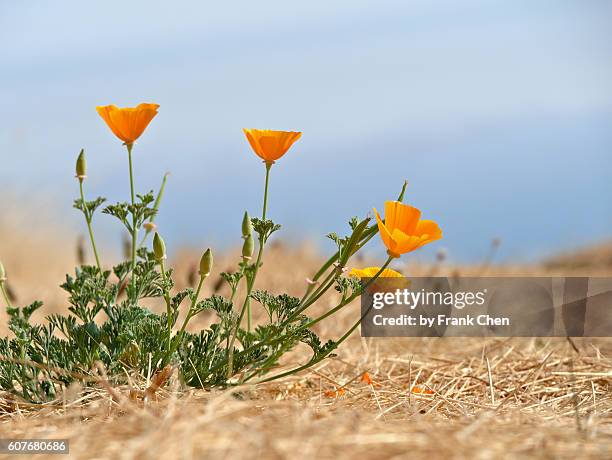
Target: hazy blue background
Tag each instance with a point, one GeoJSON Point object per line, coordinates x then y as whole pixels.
{"type": "Point", "coordinates": [499, 113]}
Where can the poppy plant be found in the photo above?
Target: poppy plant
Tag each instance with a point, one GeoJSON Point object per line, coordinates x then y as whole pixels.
{"type": "Point", "coordinates": [270, 145]}
{"type": "Point", "coordinates": [222, 354]}
{"type": "Point", "coordinates": [128, 123]}
{"type": "Point", "coordinates": [403, 230]}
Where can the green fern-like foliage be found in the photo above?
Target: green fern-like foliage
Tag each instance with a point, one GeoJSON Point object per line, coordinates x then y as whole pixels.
{"type": "Point", "coordinates": [39, 361]}
{"type": "Point", "coordinates": [106, 324]}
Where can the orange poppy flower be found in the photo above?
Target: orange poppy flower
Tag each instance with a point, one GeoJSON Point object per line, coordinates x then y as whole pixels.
{"type": "Point", "coordinates": [421, 391]}
{"type": "Point", "coordinates": [386, 280]}
{"type": "Point", "coordinates": [130, 122]}
{"type": "Point", "coordinates": [403, 230]}
{"type": "Point", "coordinates": [335, 393]}
{"type": "Point", "coordinates": [370, 272]}
{"type": "Point", "coordinates": [365, 378]}
{"type": "Point", "coordinates": [270, 145]}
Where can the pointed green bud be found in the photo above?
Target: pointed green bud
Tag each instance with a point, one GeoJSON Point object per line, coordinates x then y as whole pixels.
{"type": "Point", "coordinates": [400, 198]}
{"type": "Point", "coordinates": [159, 247]}
{"type": "Point", "coordinates": [248, 247]}
{"type": "Point", "coordinates": [206, 263]}
{"type": "Point", "coordinates": [247, 227]}
{"type": "Point", "coordinates": [2, 273]}
{"type": "Point", "coordinates": [81, 166]}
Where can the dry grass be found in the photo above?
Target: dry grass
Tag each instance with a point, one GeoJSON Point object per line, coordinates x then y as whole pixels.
{"type": "Point", "coordinates": [513, 398]}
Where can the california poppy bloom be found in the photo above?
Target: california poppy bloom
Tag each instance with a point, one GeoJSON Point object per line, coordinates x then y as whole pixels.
{"type": "Point", "coordinates": [128, 123]}
{"type": "Point", "coordinates": [270, 145]}
{"type": "Point", "coordinates": [370, 272]}
{"type": "Point", "coordinates": [385, 281]}
{"type": "Point", "coordinates": [403, 230]}
{"type": "Point", "coordinates": [365, 378]}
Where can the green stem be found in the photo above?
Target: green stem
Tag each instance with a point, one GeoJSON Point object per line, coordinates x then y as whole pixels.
{"type": "Point", "coordinates": [342, 304]}
{"type": "Point", "coordinates": [158, 199]}
{"type": "Point", "coordinates": [339, 341]}
{"type": "Point", "coordinates": [261, 244]}
{"type": "Point", "coordinates": [167, 299]}
{"type": "Point", "coordinates": [367, 236]}
{"type": "Point", "coordinates": [353, 246]}
{"type": "Point", "coordinates": [349, 299]}
{"type": "Point", "coordinates": [5, 295]}
{"type": "Point", "coordinates": [193, 303]}
{"type": "Point", "coordinates": [23, 369]}
{"type": "Point", "coordinates": [324, 286]}
{"type": "Point", "coordinates": [88, 219]}
{"type": "Point", "coordinates": [133, 196]}
{"type": "Point", "coordinates": [320, 273]}
{"type": "Point", "coordinates": [265, 202]}
{"type": "Point", "coordinates": [179, 336]}
{"type": "Point", "coordinates": [306, 302]}
{"type": "Point", "coordinates": [246, 306]}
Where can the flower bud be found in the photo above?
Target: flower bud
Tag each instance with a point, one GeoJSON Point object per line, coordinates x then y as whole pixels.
{"type": "Point", "coordinates": [81, 166]}
{"type": "Point", "coordinates": [206, 263]}
{"type": "Point", "coordinates": [248, 247]}
{"type": "Point", "coordinates": [2, 273]}
{"type": "Point", "coordinates": [247, 227]}
{"type": "Point", "coordinates": [159, 247]}
{"type": "Point", "coordinates": [149, 226]}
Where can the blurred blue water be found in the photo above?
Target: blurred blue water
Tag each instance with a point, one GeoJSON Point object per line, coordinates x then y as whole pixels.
{"type": "Point", "coordinates": [497, 113]}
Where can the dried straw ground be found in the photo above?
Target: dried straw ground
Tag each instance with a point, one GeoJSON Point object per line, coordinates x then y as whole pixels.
{"type": "Point", "coordinates": [489, 397]}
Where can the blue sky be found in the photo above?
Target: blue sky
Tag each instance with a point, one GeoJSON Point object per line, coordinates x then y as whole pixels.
{"type": "Point", "coordinates": [498, 113]}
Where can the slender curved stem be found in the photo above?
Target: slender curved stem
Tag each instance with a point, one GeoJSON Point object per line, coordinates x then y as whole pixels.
{"type": "Point", "coordinates": [167, 299]}
{"type": "Point", "coordinates": [133, 196]}
{"type": "Point", "coordinates": [322, 317]}
{"type": "Point", "coordinates": [324, 286]}
{"type": "Point", "coordinates": [306, 301]}
{"type": "Point", "coordinates": [246, 306]}
{"type": "Point", "coordinates": [367, 236]}
{"type": "Point", "coordinates": [349, 299]}
{"type": "Point", "coordinates": [158, 199]}
{"type": "Point", "coordinates": [193, 303]}
{"type": "Point", "coordinates": [265, 200]}
{"type": "Point", "coordinates": [341, 305]}
{"type": "Point", "coordinates": [88, 219]}
{"type": "Point", "coordinates": [194, 300]}
{"type": "Point", "coordinates": [261, 242]}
